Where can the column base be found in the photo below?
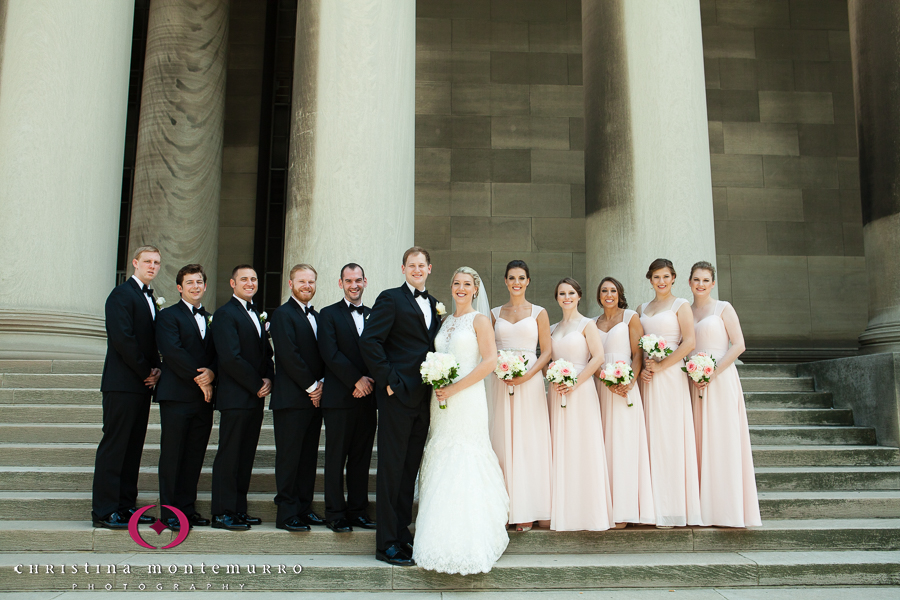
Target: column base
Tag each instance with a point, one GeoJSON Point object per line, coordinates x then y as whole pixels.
{"type": "Point", "coordinates": [884, 337]}
{"type": "Point", "coordinates": [29, 335]}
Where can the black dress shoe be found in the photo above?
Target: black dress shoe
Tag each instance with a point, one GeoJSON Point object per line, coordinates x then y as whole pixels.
{"type": "Point", "coordinates": [341, 525]}
{"type": "Point", "coordinates": [311, 518]}
{"type": "Point", "coordinates": [144, 519]}
{"type": "Point", "coordinates": [293, 524]}
{"type": "Point", "coordinates": [248, 519]}
{"type": "Point", "coordinates": [197, 520]}
{"type": "Point", "coordinates": [408, 548]}
{"type": "Point", "coordinates": [230, 522]}
{"type": "Point", "coordinates": [362, 522]}
{"type": "Point", "coordinates": [173, 523]}
{"type": "Point", "coordinates": [395, 555]}
{"type": "Point", "coordinates": [113, 520]}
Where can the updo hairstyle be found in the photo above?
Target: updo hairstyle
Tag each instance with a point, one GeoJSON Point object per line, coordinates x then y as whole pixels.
{"type": "Point", "coordinates": [704, 266]}
{"type": "Point", "coordinates": [623, 303]}
{"type": "Point", "coordinates": [472, 273]}
{"type": "Point", "coordinates": [571, 282]}
{"type": "Point", "coordinates": [661, 263]}
{"type": "Point", "coordinates": [517, 264]}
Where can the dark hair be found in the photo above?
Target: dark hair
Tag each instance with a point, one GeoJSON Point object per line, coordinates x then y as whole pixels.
{"type": "Point", "coordinates": [571, 282]}
{"type": "Point", "coordinates": [620, 289]}
{"type": "Point", "coordinates": [705, 266]}
{"type": "Point", "coordinates": [353, 266]}
{"type": "Point", "coordinates": [517, 264]}
{"type": "Point", "coordinates": [190, 269]}
{"type": "Point", "coordinates": [239, 267]}
{"type": "Point", "coordinates": [416, 250]}
{"type": "Point", "coordinates": [661, 263]}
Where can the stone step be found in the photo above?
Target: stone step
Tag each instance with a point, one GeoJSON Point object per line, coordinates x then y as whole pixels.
{"type": "Point", "coordinates": [511, 572]}
{"type": "Point", "coordinates": [755, 400]}
{"type": "Point", "coordinates": [774, 435]}
{"type": "Point", "coordinates": [767, 370]}
{"type": "Point", "coordinates": [52, 366]}
{"type": "Point", "coordinates": [777, 384]}
{"type": "Point", "coordinates": [804, 535]}
{"type": "Point", "coordinates": [822, 456]}
{"type": "Point", "coordinates": [827, 478]}
{"type": "Point", "coordinates": [76, 506]}
{"type": "Point", "coordinates": [50, 380]}
{"type": "Point", "coordinates": [800, 416]}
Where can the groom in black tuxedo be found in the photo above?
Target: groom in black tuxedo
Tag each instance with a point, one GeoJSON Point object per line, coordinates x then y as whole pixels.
{"type": "Point", "coordinates": [129, 374]}
{"type": "Point", "coordinates": [398, 334]}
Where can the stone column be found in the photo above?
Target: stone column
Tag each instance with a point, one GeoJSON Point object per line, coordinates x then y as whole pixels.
{"type": "Point", "coordinates": [352, 160]}
{"type": "Point", "coordinates": [875, 51]}
{"type": "Point", "coordinates": [648, 190]}
{"type": "Point", "coordinates": [63, 98]}
{"type": "Point", "coordinates": [178, 171]}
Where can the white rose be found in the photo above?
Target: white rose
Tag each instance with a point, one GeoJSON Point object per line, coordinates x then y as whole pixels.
{"type": "Point", "coordinates": [441, 309]}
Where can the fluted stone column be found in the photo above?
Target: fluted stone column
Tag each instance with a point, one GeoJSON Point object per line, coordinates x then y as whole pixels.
{"type": "Point", "coordinates": [352, 161]}
{"type": "Point", "coordinates": [875, 51]}
{"type": "Point", "coordinates": [648, 190]}
{"type": "Point", "coordinates": [178, 171]}
{"type": "Point", "coordinates": [63, 98]}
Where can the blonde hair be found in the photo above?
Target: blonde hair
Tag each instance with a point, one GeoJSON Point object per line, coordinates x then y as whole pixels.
{"type": "Point", "coordinates": [140, 250]}
{"type": "Point", "coordinates": [471, 273]}
{"type": "Point", "coordinates": [304, 267]}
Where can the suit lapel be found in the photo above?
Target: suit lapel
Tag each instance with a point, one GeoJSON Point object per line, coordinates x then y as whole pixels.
{"type": "Point", "coordinates": [348, 316]}
{"type": "Point", "coordinates": [142, 296]}
{"type": "Point", "coordinates": [409, 296]}
{"type": "Point", "coordinates": [190, 316]}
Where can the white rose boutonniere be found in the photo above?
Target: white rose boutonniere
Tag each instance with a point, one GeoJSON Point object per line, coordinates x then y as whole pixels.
{"type": "Point", "coordinates": [160, 302]}
{"type": "Point", "coordinates": [441, 309]}
{"type": "Point", "coordinates": [263, 320]}
{"type": "Point", "coordinates": [209, 320]}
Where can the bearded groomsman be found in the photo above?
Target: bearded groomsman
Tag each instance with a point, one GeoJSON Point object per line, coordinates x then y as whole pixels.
{"type": "Point", "coordinates": [185, 395]}
{"type": "Point", "coordinates": [348, 405]}
{"type": "Point", "coordinates": [130, 371]}
{"type": "Point", "coordinates": [240, 334]}
{"type": "Point", "coordinates": [295, 402]}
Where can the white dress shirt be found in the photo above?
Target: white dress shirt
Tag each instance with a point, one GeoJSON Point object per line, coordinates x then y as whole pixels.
{"type": "Point", "coordinates": [146, 297]}
{"type": "Point", "coordinates": [201, 321]}
{"type": "Point", "coordinates": [357, 317]}
{"type": "Point", "coordinates": [315, 327]}
{"type": "Point", "coordinates": [423, 304]}
{"type": "Point", "coordinates": [253, 316]}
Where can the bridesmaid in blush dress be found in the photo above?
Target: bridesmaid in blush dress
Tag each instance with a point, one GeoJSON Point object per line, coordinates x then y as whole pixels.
{"type": "Point", "coordinates": [624, 430]}
{"type": "Point", "coordinates": [581, 496]}
{"type": "Point", "coordinates": [667, 402]}
{"type": "Point", "coordinates": [520, 430]}
{"type": "Point", "coordinates": [727, 481]}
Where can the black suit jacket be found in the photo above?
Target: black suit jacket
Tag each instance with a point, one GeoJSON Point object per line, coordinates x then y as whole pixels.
{"type": "Point", "coordinates": [130, 341]}
{"type": "Point", "coordinates": [395, 342]}
{"type": "Point", "coordinates": [344, 363]}
{"type": "Point", "coordinates": [297, 360]}
{"type": "Point", "coordinates": [183, 351]}
{"type": "Point", "coordinates": [244, 357]}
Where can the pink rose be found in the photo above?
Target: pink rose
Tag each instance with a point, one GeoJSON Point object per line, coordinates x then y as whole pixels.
{"type": "Point", "coordinates": [602, 374]}
{"type": "Point", "coordinates": [504, 366]}
{"type": "Point", "coordinates": [691, 366]}
{"type": "Point", "coordinates": [702, 354]}
{"type": "Point", "coordinates": [708, 371]}
{"type": "Point", "coordinates": [617, 373]}
{"type": "Point", "coordinates": [661, 344]}
{"type": "Point", "coordinates": [566, 371]}
{"type": "Point", "coordinates": [551, 365]}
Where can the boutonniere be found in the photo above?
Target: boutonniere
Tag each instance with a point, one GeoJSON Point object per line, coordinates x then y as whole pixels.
{"type": "Point", "coordinates": [209, 319]}
{"type": "Point", "coordinates": [160, 302]}
{"type": "Point", "coordinates": [441, 309]}
{"type": "Point", "coordinates": [262, 317]}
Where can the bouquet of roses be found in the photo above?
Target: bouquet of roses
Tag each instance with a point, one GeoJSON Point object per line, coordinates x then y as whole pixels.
{"type": "Point", "coordinates": [439, 370]}
{"type": "Point", "coordinates": [655, 346]}
{"type": "Point", "coordinates": [510, 366]}
{"type": "Point", "coordinates": [700, 367]}
{"type": "Point", "coordinates": [618, 373]}
{"type": "Point", "coordinates": [562, 371]}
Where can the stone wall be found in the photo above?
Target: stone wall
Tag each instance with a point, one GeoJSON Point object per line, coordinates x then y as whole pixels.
{"type": "Point", "coordinates": [784, 170]}
{"type": "Point", "coordinates": [499, 141]}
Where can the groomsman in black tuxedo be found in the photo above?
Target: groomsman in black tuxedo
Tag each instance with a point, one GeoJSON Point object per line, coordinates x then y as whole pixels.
{"type": "Point", "coordinates": [130, 371]}
{"type": "Point", "coordinates": [295, 402]}
{"type": "Point", "coordinates": [348, 405]}
{"type": "Point", "coordinates": [185, 395]}
{"type": "Point", "coordinates": [246, 372]}
{"type": "Point", "coordinates": [398, 334]}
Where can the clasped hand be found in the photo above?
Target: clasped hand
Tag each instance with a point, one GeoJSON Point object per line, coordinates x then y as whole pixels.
{"type": "Point", "coordinates": [363, 387]}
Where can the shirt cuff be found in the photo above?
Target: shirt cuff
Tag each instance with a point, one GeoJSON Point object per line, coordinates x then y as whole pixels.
{"type": "Point", "coordinates": [312, 388]}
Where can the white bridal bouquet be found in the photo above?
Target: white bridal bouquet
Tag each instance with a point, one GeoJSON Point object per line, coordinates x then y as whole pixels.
{"type": "Point", "coordinates": [700, 367]}
{"type": "Point", "coordinates": [562, 371]}
{"type": "Point", "coordinates": [655, 346]}
{"type": "Point", "coordinates": [439, 370]}
{"type": "Point", "coordinates": [510, 366]}
{"type": "Point", "coordinates": [618, 373]}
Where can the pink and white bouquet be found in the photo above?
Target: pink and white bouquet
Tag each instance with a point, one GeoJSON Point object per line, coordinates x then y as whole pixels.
{"type": "Point", "coordinates": [700, 367]}
{"type": "Point", "coordinates": [510, 366]}
{"type": "Point", "coordinates": [562, 371]}
{"type": "Point", "coordinates": [439, 370]}
{"type": "Point", "coordinates": [617, 373]}
{"type": "Point", "coordinates": [655, 346]}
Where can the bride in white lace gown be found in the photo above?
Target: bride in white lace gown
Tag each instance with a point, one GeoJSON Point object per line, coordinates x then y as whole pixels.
{"type": "Point", "coordinates": [463, 504]}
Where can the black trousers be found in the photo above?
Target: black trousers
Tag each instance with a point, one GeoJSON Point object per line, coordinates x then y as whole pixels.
{"type": "Point", "coordinates": [119, 452]}
{"type": "Point", "coordinates": [238, 438]}
{"type": "Point", "coordinates": [349, 435]}
{"type": "Point", "coordinates": [182, 448]}
{"type": "Point", "coordinates": [296, 456]}
{"type": "Point", "coordinates": [401, 440]}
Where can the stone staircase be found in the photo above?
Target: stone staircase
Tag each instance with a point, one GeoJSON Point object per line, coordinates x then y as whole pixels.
{"type": "Point", "coordinates": [829, 496]}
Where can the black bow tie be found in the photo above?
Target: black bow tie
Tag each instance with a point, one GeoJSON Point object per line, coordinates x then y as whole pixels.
{"type": "Point", "coordinates": [308, 309]}
{"type": "Point", "coordinates": [196, 310]}
{"type": "Point", "coordinates": [353, 308]}
{"type": "Point", "coordinates": [147, 290]}
{"type": "Point", "coordinates": [422, 293]}
{"type": "Point", "coordinates": [252, 307]}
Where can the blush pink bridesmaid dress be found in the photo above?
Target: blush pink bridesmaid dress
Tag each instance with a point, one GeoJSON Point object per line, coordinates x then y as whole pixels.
{"type": "Point", "coordinates": [520, 430]}
{"type": "Point", "coordinates": [581, 495]}
{"type": "Point", "coordinates": [727, 481]}
{"type": "Point", "coordinates": [627, 454]}
{"type": "Point", "coordinates": [670, 431]}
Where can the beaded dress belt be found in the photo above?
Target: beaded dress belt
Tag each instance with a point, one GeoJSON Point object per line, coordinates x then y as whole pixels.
{"type": "Point", "coordinates": [517, 350]}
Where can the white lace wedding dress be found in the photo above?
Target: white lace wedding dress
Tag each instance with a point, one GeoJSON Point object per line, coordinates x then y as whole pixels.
{"type": "Point", "coordinates": [463, 504]}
